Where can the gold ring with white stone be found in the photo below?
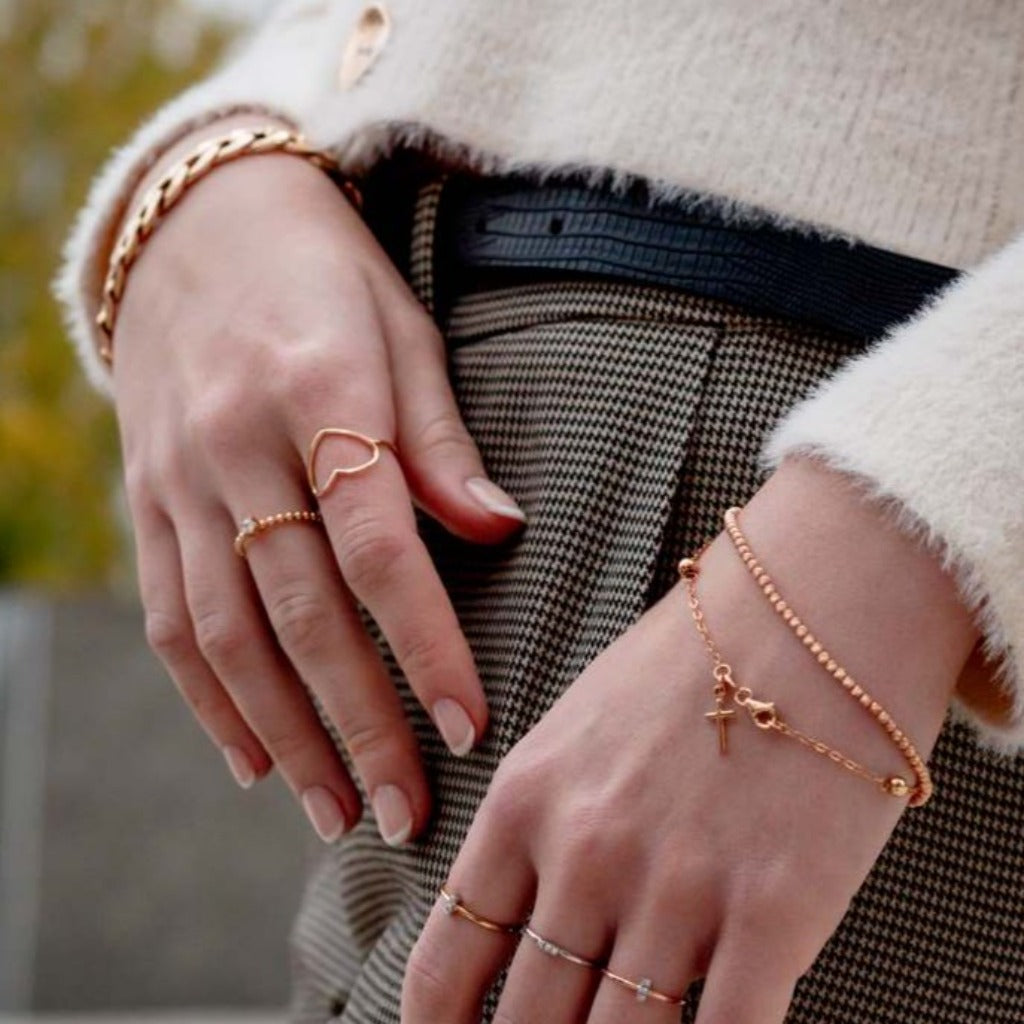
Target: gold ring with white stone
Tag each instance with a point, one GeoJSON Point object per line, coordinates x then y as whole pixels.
{"type": "Point", "coordinates": [554, 949]}
{"type": "Point", "coordinates": [253, 526]}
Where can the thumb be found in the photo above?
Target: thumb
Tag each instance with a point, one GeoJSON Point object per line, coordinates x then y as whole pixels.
{"type": "Point", "coordinates": [442, 463]}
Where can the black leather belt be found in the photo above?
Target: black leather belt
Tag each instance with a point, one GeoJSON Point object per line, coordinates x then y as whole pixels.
{"type": "Point", "coordinates": [507, 228]}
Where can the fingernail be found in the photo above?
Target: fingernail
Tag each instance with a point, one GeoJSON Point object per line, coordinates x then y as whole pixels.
{"type": "Point", "coordinates": [455, 726]}
{"type": "Point", "coordinates": [324, 811]}
{"type": "Point", "coordinates": [493, 498]}
{"type": "Point", "coordinates": [241, 767]}
{"type": "Point", "coordinates": [394, 817]}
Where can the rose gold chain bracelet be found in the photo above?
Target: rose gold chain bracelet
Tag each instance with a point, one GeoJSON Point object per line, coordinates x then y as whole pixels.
{"type": "Point", "coordinates": [764, 713]}
{"type": "Point", "coordinates": [169, 189]}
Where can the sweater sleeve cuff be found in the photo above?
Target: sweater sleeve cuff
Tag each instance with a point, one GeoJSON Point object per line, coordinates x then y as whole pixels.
{"type": "Point", "coordinates": [279, 70]}
{"type": "Point", "coordinates": [930, 421]}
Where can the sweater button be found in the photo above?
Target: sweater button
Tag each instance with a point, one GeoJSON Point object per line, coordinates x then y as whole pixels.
{"type": "Point", "coordinates": [364, 45]}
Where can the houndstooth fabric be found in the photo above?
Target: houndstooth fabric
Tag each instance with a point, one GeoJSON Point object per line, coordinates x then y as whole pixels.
{"type": "Point", "coordinates": [625, 418]}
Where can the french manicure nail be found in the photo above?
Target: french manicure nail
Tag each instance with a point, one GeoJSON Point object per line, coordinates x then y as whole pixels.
{"type": "Point", "coordinates": [241, 767]}
{"type": "Point", "coordinates": [494, 499]}
{"type": "Point", "coordinates": [455, 726]}
{"type": "Point", "coordinates": [394, 816]}
{"type": "Point", "coordinates": [324, 812]}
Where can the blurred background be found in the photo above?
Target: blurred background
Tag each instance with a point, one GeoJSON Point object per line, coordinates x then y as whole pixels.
{"type": "Point", "coordinates": [135, 878]}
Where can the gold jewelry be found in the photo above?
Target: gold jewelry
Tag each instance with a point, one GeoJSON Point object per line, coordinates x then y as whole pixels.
{"type": "Point", "coordinates": [644, 989]}
{"type": "Point", "coordinates": [553, 949]}
{"type": "Point", "coordinates": [374, 445]}
{"type": "Point", "coordinates": [169, 189]}
{"type": "Point", "coordinates": [252, 526]}
{"type": "Point", "coordinates": [452, 904]}
{"type": "Point", "coordinates": [764, 714]}
{"type": "Point", "coordinates": [920, 794]}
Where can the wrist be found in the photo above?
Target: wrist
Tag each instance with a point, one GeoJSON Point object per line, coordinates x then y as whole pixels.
{"type": "Point", "coordinates": [879, 603]}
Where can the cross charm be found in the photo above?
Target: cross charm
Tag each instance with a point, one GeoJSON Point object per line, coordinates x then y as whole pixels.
{"type": "Point", "coordinates": [720, 717]}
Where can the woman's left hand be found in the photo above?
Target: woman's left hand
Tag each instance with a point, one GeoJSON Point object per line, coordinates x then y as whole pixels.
{"type": "Point", "coordinates": [624, 835]}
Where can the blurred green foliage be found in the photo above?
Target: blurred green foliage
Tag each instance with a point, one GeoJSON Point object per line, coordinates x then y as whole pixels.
{"type": "Point", "coordinates": [78, 77]}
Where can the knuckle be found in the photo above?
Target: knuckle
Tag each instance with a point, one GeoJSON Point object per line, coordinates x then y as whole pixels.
{"type": "Point", "coordinates": [421, 652]}
{"type": "Point", "coordinates": [368, 738]}
{"type": "Point", "coordinates": [301, 621]}
{"type": "Point", "coordinates": [425, 989]}
{"type": "Point", "coordinates": [443, 434]}
{"type": "Point", "coordinates": [168, 635]}
{"type": "Point", "coordinates": [371, 556]}
{"type": "Point", "coordinates": [218, 425]}
{"type": "Point", "coordinates": [306, 378]}
{"type": "Point", "coordinates": [221, 638]}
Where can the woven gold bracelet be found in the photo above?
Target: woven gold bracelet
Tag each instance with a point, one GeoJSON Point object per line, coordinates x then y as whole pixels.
{"type": "Point", "coordinates": [169, 189]}
{"type": "Point", "coordinates": [764, 713]}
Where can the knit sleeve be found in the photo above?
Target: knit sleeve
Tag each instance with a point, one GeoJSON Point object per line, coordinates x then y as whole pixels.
{"type": "Point", "coordinates": [930, 421]}
{"type": "Point", "coordinates": [282, 68]}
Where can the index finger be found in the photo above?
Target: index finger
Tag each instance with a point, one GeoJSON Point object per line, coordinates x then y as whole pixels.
{"type": "Point", "coordinates": [371, 524]}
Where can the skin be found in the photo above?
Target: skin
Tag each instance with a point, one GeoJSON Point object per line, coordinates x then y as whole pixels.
{"type": "Point", "coordinates": [622, 832]}
{"type": "Point", "coordinates": [246, 326]}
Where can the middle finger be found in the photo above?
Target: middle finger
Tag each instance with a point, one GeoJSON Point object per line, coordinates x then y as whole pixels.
{"type": "Point", "coordinates": [372, 528]}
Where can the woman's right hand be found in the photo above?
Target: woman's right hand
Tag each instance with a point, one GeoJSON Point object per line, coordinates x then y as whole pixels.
{"type": "Point", "coordinates": [260, 311]}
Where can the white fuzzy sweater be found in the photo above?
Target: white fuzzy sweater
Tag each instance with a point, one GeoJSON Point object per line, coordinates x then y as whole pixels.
{"type": "Point", "coordinates": [898, 122]}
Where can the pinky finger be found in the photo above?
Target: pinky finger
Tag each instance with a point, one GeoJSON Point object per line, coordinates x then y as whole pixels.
{"type": "Point", "coordinates": [170, 635]}
{"type": "Point", "coordinates": [745, 990]}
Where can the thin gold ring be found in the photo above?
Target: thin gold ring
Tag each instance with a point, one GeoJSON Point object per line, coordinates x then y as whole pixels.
{"type": "Point", "coordinates": [554, 949]}
{"type": "Point", "coordinates": [644, 989]}
{"type": "Point", "coordinates": [374, 444]}
{"type": "Point", "coordinates": [253, 526]}
{"type": "Point", "coordinates": [453, 905]}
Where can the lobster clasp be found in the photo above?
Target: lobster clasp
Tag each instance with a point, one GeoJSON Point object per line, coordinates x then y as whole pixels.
{"type": "Point", "coordinates": [762, 711]}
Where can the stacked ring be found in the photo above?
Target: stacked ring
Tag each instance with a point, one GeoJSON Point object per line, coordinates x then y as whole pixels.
{"type": "Point", "coordinates": [644, 989]}
{"type": "Point", "coordinates": [254, 526]}
{"type": "Point", "coordinates": [553, 949]}
{"type": "Point", "coordinates": [453, 905]}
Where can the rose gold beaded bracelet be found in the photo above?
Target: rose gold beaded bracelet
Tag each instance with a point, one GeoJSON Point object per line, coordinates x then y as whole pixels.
{"type": "Point", "coordinates": [169, 189]}
{"type": "Point", "coordinates": [764, 713]}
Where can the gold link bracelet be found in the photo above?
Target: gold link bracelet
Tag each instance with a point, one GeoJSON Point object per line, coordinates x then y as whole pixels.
{"type": "Point", "coordinates": [169, 189]}
{"type": "Point", "coordinates": [764, 714]}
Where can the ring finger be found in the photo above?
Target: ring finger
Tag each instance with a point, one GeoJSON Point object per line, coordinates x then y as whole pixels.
{"type": "Point", "coordinates": [231, 631]}
{"type": "Point", "coordinates": [318, 626]}
{"type": "Point", "coordinates": [556, 969]}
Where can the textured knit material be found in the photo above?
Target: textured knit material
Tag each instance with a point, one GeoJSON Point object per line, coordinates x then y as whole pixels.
{"type": "Point", "coordinates": [625, 418]}
{"type": "Point", "coordinates": [897, 123]}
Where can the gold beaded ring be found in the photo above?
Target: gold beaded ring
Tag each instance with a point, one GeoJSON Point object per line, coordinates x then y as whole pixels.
{"type": "Point", "coordinates": [253, 526]}
{"type": "Point", "coordinates": [452, 905]}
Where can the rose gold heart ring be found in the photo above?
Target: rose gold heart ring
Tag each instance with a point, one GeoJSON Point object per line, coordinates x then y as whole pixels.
{"type": "Point", "coordinates": [373, 445]}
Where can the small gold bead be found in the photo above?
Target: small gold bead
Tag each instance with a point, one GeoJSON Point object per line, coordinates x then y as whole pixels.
{"type": "Point", "coordinates": [896, 786]}
{"type": "Point", "coordinates": [831, 665]}
{"type": "Point", "coordinates": [787, 614]}
{"type": "Point", "coordinates": [840, 674]}
{"type": "Point", "coordinates": [875, 707]}
{"type": "Point", "coordinates": [769, 591]}
{"type": "Point", "coordinates": [808, 640]}
{"type": "Point", "coordinates": [822, 657]}
{"type": "Point", "coordinates": [801, 630]}
{"type": "Point", "coordinates": [865, 699]}
{"type": "Point", "coordinates": [815, 647]}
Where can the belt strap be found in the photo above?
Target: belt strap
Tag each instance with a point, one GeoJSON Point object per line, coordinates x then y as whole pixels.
{"type": "Point", "coordinates": [510, 222]}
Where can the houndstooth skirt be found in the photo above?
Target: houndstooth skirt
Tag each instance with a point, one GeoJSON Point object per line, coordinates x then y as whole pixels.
{"type": "Point", "coordinates": [624, 418]}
